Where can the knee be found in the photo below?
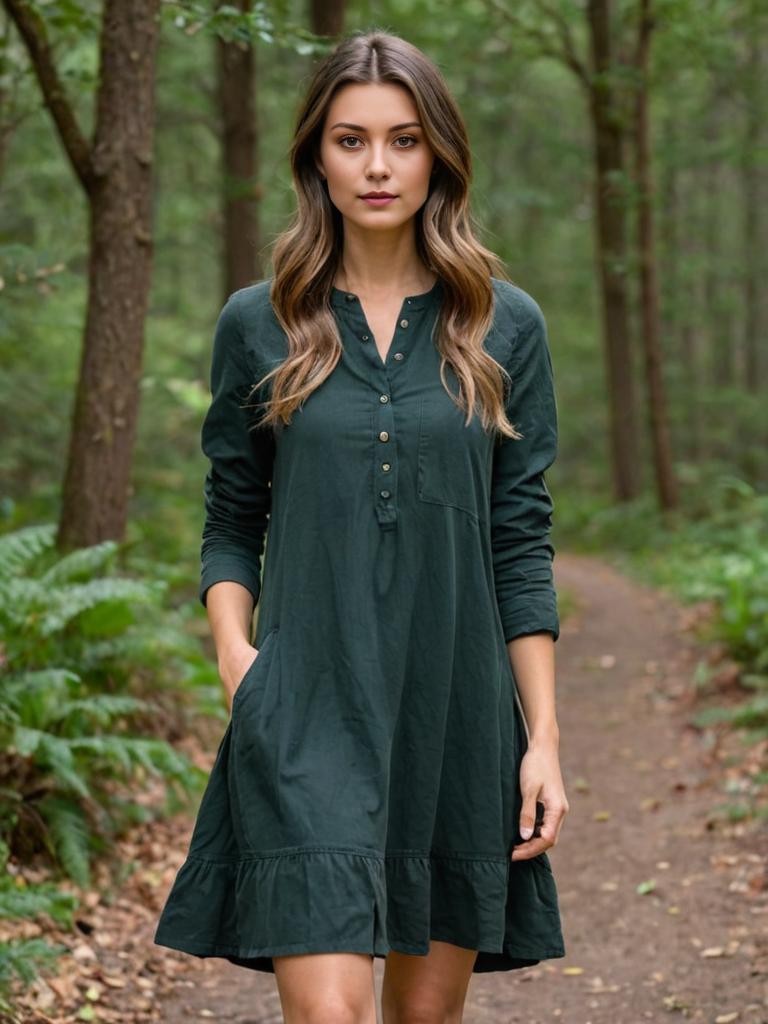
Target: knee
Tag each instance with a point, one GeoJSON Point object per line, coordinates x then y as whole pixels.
{"type": "Point", "coordinates": [329, 1009]}
{"type": "Point", "coordinates": [424, 1009]}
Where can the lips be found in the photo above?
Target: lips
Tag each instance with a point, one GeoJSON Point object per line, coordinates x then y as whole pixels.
{"type": "Point", "coordinates": [378, 195]}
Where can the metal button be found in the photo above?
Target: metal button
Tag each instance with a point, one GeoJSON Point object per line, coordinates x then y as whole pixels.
{"type": "Point", "coordinates": [385, 494]}
{"type": "Point", "coordinates": [386, 467]}
{"type": "Point", "coordinates": [384, 398]}
{"type": "Point", "coordinates": [383, 436]}
{"type": "Point", "coordinates": [398, 355]}
{"type": "Point", "coordinates": [350, 298]}
{"type": "Point", "coordinates": [403, 323]}
{"type": "Point", "coordinates": [364, 337]}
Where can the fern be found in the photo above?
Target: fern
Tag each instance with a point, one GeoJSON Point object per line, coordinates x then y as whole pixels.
{"type": "Point", "coordinates": [62, 605]}
{"type": "Point", "coordinates": [22, 547]}
{"type": "Point", "coordinates": [83, 562]}
{"type": "Point", "coordinates": [26, 959]}
{"type": "Point", "coordinates": [70, 833]}
{"type": "Point", "coordinates": [31, 900]}
{"type": "Point", "coordinates": [102, 710]}
{"type": "Point", "coordinates": [54, 755]}
{"type": "Point", "coordinates": [86, 658]}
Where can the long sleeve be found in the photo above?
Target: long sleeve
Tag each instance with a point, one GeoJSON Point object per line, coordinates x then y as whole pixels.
{"type": "Point", "coordinates": [237, 485]}
{"type": "Point", "coordinates": [521, 505]}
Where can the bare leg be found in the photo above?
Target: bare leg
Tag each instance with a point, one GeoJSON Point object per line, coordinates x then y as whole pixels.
{"type": "Point", "coordinates": [326, 988]}
{"type": "Point", "coordinates": [429, 989]}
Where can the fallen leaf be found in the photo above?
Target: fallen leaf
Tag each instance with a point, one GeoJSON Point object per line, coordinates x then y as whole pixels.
{"type": "Point", "coordinates": [675, 1003]}
{"type": "Point", "coordinates": [650, 803]}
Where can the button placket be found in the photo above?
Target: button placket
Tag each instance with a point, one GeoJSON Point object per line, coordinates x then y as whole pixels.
{"type": "Point", "coordinates": [385, 458]}
{"type": "Point", "coordinates": [385, 466]}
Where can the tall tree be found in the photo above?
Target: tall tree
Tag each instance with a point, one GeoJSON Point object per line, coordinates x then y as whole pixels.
{"type": "Point", "coordinates": [114, 169]}
{"type": "Point", "coordinates": [666, 484]}
{"type": "Point", "coordinates": [327, 17]}
{"type": "Point", "coordinates": [610, 138]}
{"type": "Point", "coordinates": [753, 192]}
{"type": "Point", "coordinates": [549, 30]}
{"type": "Point", "coordinates": [238, 109]}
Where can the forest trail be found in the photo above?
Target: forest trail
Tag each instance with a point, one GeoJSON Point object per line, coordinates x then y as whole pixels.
{"type": "Point", "coordinates": [642, 787]}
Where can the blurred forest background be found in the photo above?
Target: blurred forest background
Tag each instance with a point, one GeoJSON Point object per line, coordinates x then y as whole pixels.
{"type": "Point", "coordinates": [620, 149]}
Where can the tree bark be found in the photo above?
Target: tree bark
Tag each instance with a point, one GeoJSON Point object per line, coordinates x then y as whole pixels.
{"type": "Point", "coordinates": [236, 74]}
{"type": "Point", "coordinates": [327, 17]}
{"type": "Point", "coordinates": [754, 220]}
{"type": "Point", "coordinates": [666, 483]}
{"type": "Point", "coordinates": [115, 172]}
{"type": "Point", "coordinates": [611, 247]}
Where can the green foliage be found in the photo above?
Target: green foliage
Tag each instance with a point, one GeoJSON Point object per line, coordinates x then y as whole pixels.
{"type": "Point", "coordinates": [715, 549]}
{"type": "Point", "coordinates": [23, 959]}
{"type": "Point", "coordinates": [75, 642]}
{"type": "Point", "coordinates": [91, 668]}
{"type": "Point", "coordinates": [722, 557]}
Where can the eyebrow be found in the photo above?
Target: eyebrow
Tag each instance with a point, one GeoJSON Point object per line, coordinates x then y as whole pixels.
{"type": "Point", "coordinates": [360, 128]}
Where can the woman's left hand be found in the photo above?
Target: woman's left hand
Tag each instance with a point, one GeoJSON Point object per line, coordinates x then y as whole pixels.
{"type": "Point", "coordinates": [540, 779]}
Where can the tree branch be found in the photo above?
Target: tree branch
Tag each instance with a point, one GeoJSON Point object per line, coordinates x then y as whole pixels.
{"type": "Point", "coordinates": [570, 56]}
{"type": "Point", "coordinates": [565, 53]}
{"type": "Point", "coordinates": [31, 28]}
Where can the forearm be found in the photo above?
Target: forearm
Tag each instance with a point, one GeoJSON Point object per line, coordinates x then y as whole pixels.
{"type": "Point", "coordinates": [230, 614]}
{"type": "Point", "coordinates": [532, 658]}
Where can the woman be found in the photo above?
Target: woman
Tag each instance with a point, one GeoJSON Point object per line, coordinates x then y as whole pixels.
{"type": "Point", "coordinates": [375, 791]}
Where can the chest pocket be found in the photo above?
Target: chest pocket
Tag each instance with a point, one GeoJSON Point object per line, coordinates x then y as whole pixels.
{"type": "Point", "coordinates": [453, 459]}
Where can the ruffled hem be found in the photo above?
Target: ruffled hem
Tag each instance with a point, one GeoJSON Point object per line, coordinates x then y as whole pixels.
{"type": "Point", "coordinates": [302, 899]}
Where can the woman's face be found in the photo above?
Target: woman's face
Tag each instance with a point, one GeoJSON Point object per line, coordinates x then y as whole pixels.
{"type": "Point", "coordinates": [372, 142]}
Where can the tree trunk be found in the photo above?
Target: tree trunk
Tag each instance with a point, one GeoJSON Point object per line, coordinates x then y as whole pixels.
{"type": "Point", "coordinates": [115, 172]}
{"type": "Point", "coordinates": [611, 249]}
{"type": "Point", "coordinates": [754, 220]}
{"type": "Point", "coordinates": [666, 483]}
{"type": "Point", "coordinates": [236, 63]}
{"type": "Point", "coordinates": [97, 480]}
{"type": "Point", "coordinates": [327, 17]}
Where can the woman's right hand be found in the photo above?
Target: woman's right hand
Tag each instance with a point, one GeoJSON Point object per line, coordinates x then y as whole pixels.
{"type": "Point", "coordinates": [233, 668]}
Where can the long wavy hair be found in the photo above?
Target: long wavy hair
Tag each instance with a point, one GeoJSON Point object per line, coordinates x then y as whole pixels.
{"type": "Point", "coordinates": [307, 255]}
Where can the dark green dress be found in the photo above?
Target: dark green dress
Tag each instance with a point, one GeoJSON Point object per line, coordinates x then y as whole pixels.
{"type": "Point", "coordinates": [365, 793]}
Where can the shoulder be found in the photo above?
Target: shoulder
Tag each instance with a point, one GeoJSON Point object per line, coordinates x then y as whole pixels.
{"type": "Point", "coordinates": [519, 321]}
{"type": "Point", "coordinates": [251, 302]}
{"type": "Point", "coordinates": [516, 308]}
{"type": "Point", "coordinates": [262, 335]}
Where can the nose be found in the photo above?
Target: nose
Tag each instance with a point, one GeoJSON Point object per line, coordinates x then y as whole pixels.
{"type": "Point", "coordinates": [377, 164]}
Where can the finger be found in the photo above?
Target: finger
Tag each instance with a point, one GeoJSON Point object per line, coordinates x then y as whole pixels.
{"type": "Point", "coordinates": [528, 816]}
{"type": "Point", "coordinates": [524, 851]}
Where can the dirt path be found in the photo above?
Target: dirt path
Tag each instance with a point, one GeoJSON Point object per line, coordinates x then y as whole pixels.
{"type": "Point", "coordinates": [642, 787]}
